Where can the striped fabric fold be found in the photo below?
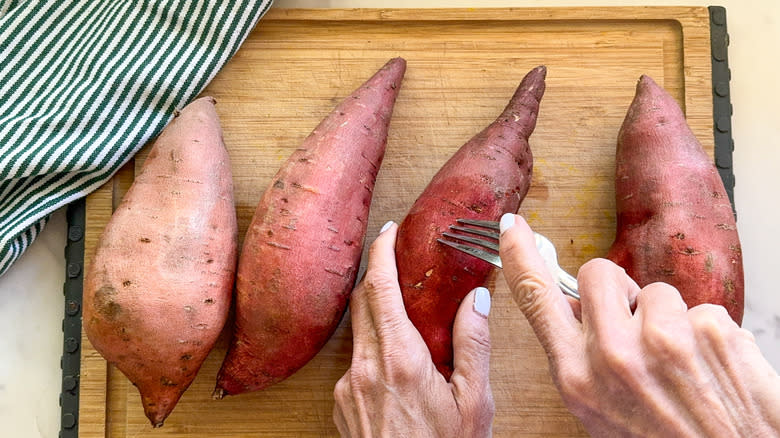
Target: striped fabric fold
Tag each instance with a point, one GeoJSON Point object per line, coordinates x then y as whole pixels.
{"type": "Point", "coordinates": [84, 85]}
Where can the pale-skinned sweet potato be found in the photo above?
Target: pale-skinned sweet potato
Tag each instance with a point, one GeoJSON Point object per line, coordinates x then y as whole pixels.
{"type": "Point", "coordinates": [302, 250]}
{"type": "Point", "coordinates": [158, 291]}
{"type": "Point", "coordinates": [674, 219]}
{"type": "Point", "coordinates": [487, 177]}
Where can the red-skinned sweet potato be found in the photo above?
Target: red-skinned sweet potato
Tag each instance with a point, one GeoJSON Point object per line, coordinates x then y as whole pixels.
{"type": "Point", "coordinates": [302, 250]}
{"type": "Point", "coordinates": [157, 293]}
{"type": "Point", "coordinates": [487, 177]}
{"type": "Point", "coordinates": [674, 219]}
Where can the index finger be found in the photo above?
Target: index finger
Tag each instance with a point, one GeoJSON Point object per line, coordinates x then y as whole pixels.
{"type": "Point", "coordinates": [535, 292]}
{"type": "Point", "coordinates": [379, 288]}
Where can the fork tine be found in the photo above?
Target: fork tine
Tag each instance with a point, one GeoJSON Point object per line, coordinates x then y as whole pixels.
{"type": "Point", "coordinates": [473, 240]}
{"type": "Point", "coordinates": [566, 282]}
{"type": "Point", "coordinates": [484, 224]}
{"type": "Point", "coordinates": [491, 258]}
{"type": "Point", "coordinates": [477, 231]}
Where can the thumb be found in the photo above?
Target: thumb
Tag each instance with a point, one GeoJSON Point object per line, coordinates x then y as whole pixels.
{"type": "Point", "coordinates": [534, 290]}
{"type": "Point", "coordinates": [471, 341]}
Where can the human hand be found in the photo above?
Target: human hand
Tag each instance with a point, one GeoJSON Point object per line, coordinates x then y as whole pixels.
{"type": "Point", "coordinates": [659, 370]}
{"type": "Point", "coordinates": [392, 387]}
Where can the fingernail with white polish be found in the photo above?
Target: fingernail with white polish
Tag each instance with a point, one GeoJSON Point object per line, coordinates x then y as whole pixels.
{"type": "Point", "coordinates": [482, 301]}
{"type": "Point", "coordinates": [386, 226]}
{"type": "Point", "coordinates": [507, 222]}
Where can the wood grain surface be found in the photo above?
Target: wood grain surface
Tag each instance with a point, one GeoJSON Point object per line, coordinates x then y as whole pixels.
{"type": "Point", "coordinates": [463, 65]}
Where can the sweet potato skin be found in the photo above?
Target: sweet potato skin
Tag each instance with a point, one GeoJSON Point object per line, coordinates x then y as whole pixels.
{"type": "Point", "coordinates": [674, 220]}
{"type": "Point", "coordinates": [158, 291]}
{"type": "Point", "coordinates": [302, 250]}
{"type": "Point", "coordinates": [487, 177]}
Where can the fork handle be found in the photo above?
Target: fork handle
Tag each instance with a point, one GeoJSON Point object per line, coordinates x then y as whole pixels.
{"type": "Point", "coordinates": [568, 284]}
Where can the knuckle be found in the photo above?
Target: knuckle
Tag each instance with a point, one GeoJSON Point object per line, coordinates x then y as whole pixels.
{"type": "Point", "coordinates": [363, 377]}
{"type": "Point", "coordinates": [710, 311]}
{"type": "Point", "coordinates": [663, 293]}
{"type": "Point", "coordinates": [598, 267]}
{"type": "Point", "coordinates": [530, 292]}
{"type": "Point", "coordinates": [711, 323]}
{"type": "Point", "coordinates": [620, 362]}
{"type": "Point", "coordinates": [378, 281]}
{"type": "Point", "coordinates": [658, 287]}
{"type": "Point", "coordinates": [478, 344]}
{"type": "Point", "coordinates": [400, 376]}
{"type": "Point", "coordinates": [745, 335]}
{"type": "Point", "coordinates": [574, 387]}
{"type": "Point", "coordinates": [389, 331]}
{"type": "Point", "coordinates": [664, 341]}
{"type": "Point", "coordinates": [374, 248]}
{"type": "Point", "coordinates": [398, 368]}
{"type": "Point", "coordinates": [341, 390]}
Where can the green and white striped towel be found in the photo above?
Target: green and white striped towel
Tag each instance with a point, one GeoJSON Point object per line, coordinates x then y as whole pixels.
{"type": "Point", "coordinates": [84, 84]}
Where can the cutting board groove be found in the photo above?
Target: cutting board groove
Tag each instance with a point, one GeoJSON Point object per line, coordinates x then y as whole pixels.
{"type": "Point", "coordinates": [463, 65]}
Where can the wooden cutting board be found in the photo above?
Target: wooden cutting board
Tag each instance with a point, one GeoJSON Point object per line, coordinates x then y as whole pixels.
{"type": "Point", "coordinates": [463, 65]}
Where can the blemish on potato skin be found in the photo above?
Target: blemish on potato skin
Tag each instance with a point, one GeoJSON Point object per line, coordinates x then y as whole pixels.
{"type": "Point", "coordinates": [105, 304]}
{"type": "Point", "coordinates": [123, 334]}
{"type": "Point", "coordinates": [278, 245]}
{"type": "Point", "coordinates": [335, 272]}
{"type": "Point", "coordinates": [164, 381]}
{"type": "Point", "coordinates": [145, 240]}
{"type": "Point", "coordinates": [709, 262]}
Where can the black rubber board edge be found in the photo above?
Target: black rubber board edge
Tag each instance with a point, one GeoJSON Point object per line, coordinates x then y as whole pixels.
{"type": "Point", "coordinates": [74, 250]}
{"type": "Point", "coordinates": [721, 100]}
{"type": "Point", "coordinates": [71, 322]}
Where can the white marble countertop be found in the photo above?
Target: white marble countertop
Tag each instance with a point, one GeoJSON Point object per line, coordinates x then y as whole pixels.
{"type": "Point", "coordinates": [31, 291]}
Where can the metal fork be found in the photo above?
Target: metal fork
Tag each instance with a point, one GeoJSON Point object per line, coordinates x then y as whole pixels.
{"type": "Point", "coordinates": [487, 250]}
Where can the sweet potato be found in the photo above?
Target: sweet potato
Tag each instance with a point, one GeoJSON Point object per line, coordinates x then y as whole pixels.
{"type": "Point", "coordinates": [487, 177]}
{"type": "Point", "coordinates": [157, 293]}
{"type": "Point", "coordinates": [302, 250]}
{"type": "Point", "coordinates": [674, 219]}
